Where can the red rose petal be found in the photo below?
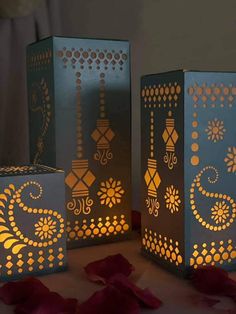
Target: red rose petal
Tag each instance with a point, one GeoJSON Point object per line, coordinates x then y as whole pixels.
{"type": "Point", "coordinates": [109, 301]}
{"type": "Point", "coordinates": [213, 280]}
{"type": "Point", "coordinates": [210, 280]}
{"type": "Point", "coordinates": [102, 270]}
{"type": "Point", "coordinates": [19, 291]}
{"type": "Point", "coordinates": [136, 220]}
{"type": "Point", "coordinates": [144, 296]}
{"type": "Point", "coordinates": [230, 289]}
{"type": "Point", "coordinates": [49, 303]}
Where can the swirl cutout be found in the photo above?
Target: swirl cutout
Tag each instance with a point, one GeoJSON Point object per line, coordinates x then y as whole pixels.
{"type": "Point", "coordinates": [78, 206]}
{"type": "Point", "coordinates": [170, 159]}
{"type": "Point", "coordinates": [153, 206]}
{"type": "Point", "coordinates": [72, 205]}
{"type": "Point", "coordinates": [49, 228]}
{"type": "Point", "coordinates": [103, 156]}
{"type": "Point", "coordinates": [220, 211]}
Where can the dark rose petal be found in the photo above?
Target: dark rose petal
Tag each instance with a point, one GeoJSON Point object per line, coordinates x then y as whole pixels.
{"type": "Point", "coordinates": [136, 220]}
{"type": "Point", "coordinates": [232, 295]}
{"type": "Point", "coordinates": [213, 280]}
{"type": "Point", "coordinates": [210, 280]}
{"type": "Point", "coordinates": [204, 301]}
{"type": "Point", "coordinates": [49, 303]}
{"type": "Point", "coordinates": [144, 296]}
{"type": "Point", "coordinates": [109, 301]}
{"type": "Point", "coordinates": [102, 270]}
{"type": "Point", "coordinates": [230, 291]}
{"type": "Point", "coordinates": [19, 291]}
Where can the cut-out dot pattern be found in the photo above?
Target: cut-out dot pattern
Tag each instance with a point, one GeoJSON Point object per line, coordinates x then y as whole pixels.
{"type": "Point", "coordinates": [196, 185]}
{"type": "Point", "coordinates": [195, 160]}
{"type": "Point", "coordinates": [214, 95]}
{"type": "Point", "coordinates": [101, 227]}
{"type": "Point", "coordinates": [33, 262]}
{"type": "Point", "coordinates": [39, 60]}
{"type": "Point", "coordinates": [165, 248]}
{"type": "Point", "coordinates": [92, 59]}
{"type": "Point", "coordinates": [214, 253]}
{"type": "Point", "coordinates": [161, 95]}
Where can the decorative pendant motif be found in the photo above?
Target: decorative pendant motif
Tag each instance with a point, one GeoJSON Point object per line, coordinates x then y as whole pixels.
{"type": "Point", "coordinates": [79, 180]}
{"type": "Point", "coordinates": [151, 176]}
{"type": "Point", "coordinates": [103, 134]}
{"type": "Point", "coordinates": [170, 137]}
{"type": "Point", "coordinates": [80, 177]}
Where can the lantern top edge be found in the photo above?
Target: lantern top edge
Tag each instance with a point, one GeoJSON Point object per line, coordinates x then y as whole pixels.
{"type": "Point", "coordinates": [188, 71]}
{"type": "Point", "coordinates": [71, 38]}
{"type": "Point", "coordinates": [30, 169]}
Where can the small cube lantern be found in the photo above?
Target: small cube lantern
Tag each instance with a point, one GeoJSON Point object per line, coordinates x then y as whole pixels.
{"type": "Point", "coordinates": [79, 106]}
{"type": "Point", "coordinates": [189, 168]}
{"type": "Point", "coordinates": [32, 221]}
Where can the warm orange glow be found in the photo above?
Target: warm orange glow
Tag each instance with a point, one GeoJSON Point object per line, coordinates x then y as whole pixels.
{"type": "Point", "coordinates": [172, 199]}
{"type": "Point", "coordinates": [22, 255]}
{"type": "Point", "coordinates": [110, 192]}
{"type": "Point", "coordinates": [170, 137]}
{"type": "Point", "coordinates": [213, 253]}
{"type": "Point", "coordinates": [45, 228]}
{"type": "Point", "coordinates": [167, 249]}
{"type": "Point", "coordinates": [32, 261]}
{"type": "Point", "coordinates": [220, 218]}
{"type": "Point", "coordinates": [103, 134]}
{"type": "Point", "coordinates": [101, 227]}
{"type": "Point", "coordinates": [12, 237]}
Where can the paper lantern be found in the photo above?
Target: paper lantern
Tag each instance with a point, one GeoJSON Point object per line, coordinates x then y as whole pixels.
{"type": "Point", "coordinates": [32, 221]}
{"type": "Point", "coordinates": [79, 101]}
{"type": "Point", "coordinates": [188, 169]}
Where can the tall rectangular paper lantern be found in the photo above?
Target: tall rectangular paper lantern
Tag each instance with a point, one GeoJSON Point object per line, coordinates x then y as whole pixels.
{"type": "Point", "coordinates": [79, 99]}
{"type": "Point", "coordinates": [32, 221]}
{"type": "Point", "coordinates": [188, 169]}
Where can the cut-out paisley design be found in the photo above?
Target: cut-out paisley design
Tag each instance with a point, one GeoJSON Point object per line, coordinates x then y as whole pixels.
{"type": "Point", "coordinates": [222, 202]}
{"type": "Point", "coordinates": [10, 234]}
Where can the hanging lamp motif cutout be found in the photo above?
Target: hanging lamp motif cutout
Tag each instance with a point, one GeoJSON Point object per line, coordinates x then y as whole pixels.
{"type": "Point", "coordinates": [103, 134]}
{"type": "Point", "coordinates": [170, 137]}
{"type": "Point", "coordinates": [80, 178]}
{"type": "Point", "coordinates": [151, 176]}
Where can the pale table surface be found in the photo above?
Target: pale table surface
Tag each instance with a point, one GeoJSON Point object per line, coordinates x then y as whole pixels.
{"type": "Point", "coordinates": [173, 291]}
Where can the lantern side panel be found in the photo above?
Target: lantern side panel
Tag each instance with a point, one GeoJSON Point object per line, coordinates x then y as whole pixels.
{"type": "Point", "coordinates": [162, 167]}
{"type": "Point", "coordinates": [93, 136]}
{"type": "Point", "coordinates": [210, 155]}
{"type": "Point", "coordinates": [32, 222]}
